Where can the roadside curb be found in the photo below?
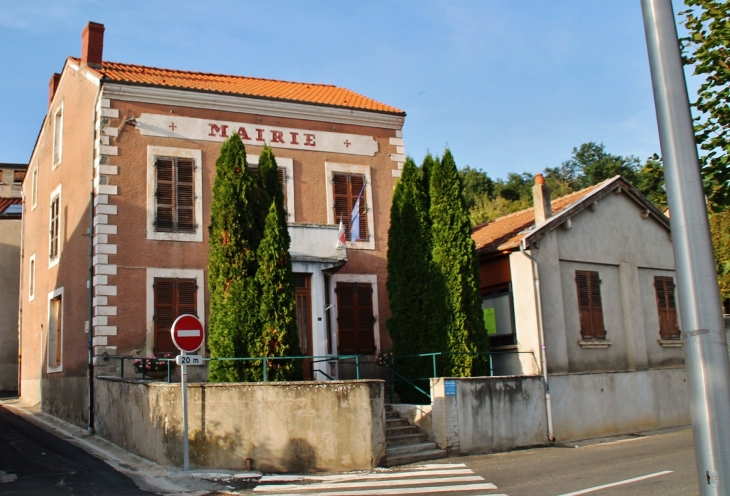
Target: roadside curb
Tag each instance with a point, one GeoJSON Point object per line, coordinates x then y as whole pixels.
{"type": "Point", "coordinates": [146, 474]}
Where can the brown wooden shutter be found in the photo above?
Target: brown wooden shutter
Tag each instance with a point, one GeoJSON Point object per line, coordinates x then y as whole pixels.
{"type": "Point", "coordinates": [18, 176]}
{"type": "Point", "coordinates": [590, 306]}
{"type": "Point", "coordinates": [355, 329]}
{"type": "Point", "coordinates": [282, 179]}
{"type": "Point", "coordinates": [173, 297]}
{"type": "Point", "coordinates": [341, 197]}
{"type": "Point", "coordinates": [185, 200]}
{"type": "Point", "coordinates": [667, 307]}
{"type": "Point", "coordinates": [165, 194]}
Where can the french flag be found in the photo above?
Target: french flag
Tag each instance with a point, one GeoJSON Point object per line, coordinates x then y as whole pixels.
{"type": "Point", "coordinates": [355, 218]}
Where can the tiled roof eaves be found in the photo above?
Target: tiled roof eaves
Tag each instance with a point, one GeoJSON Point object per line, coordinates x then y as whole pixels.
{"type": "Point", "coordinates": [105, 79]}
{"type": "Point", "coordinates": [13, 166]}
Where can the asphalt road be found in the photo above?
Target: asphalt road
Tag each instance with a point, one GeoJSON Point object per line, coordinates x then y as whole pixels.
{"type": "Point", "coordinates": [566, 469]}
{"type": "Point", "coordinates": [33, 461]}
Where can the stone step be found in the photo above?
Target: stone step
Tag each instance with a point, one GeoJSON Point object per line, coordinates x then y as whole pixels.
{"type": "Point", "coordinates": [400, 430]}
{"type": "Point", "coordinates": [396, 422]}
{"type": "Point", "coordinates": [392, 414]}
{"type": "Point", "coordinates": [407, 449]}
{"type": "Point", "coordinates": [388, 408]}
{"type": "Point", "coordinates": [405, 439]}
{"type": "Point", "coordinates": [415, 457]}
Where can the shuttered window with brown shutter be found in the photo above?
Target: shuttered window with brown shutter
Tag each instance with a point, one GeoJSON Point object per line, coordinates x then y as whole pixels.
{"type": "Point", "coordinates": [173, 297]}
{"type": "Point", "coordinates": [346, 188]}
{"type": "Point", "coordinates": [175, 194]}
{"type": "Point", "coordinates": [281, 172]}
{"type": "Point", "coordinates": [355, 321]}
{"type": "Point", "coordinates": [590, 306]}
{"type": "Point", "coordinates": [667, 307]}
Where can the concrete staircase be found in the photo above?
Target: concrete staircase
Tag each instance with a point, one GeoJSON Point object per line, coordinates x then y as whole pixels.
{"type": "Point", "coordinates": [406, 443]}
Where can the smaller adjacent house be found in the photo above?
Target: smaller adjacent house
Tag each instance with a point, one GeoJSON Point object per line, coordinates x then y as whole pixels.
{"type": "Point", "coordinates": [11, 208]}
{"type": "Point", "coordinates": [589, 279]}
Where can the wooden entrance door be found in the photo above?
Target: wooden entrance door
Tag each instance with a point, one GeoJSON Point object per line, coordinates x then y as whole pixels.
{"type": "Point", "coordinates": [303, 292]}
{"type": "Point", "coordinates": [355, 322]}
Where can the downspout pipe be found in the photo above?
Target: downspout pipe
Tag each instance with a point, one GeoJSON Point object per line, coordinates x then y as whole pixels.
{"type": "Point", "coordinates": [541, 332]}
{"type": "Point", "coordinates": [20, 290]}
{"type": "Point", "coordinates": [90, 428]}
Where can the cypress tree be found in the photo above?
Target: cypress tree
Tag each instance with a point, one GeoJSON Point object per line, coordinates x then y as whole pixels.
{"type": "Point", "coordinates": [278, 334]}
{"type": "Point", "coordinates": [232, 262]}
{"type": "Point", "coordinates": [410, 279]}
{"type": "Point", "coordinates": [455, 263]}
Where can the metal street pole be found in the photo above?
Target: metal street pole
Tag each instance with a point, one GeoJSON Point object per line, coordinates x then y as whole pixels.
{"type": "Point", "coordinates": [184, 381]}
{"type": "Point", "coordinates": [705, 346]}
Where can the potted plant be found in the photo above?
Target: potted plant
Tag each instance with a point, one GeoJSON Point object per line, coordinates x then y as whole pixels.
{"type": "Point", "coordinates": [153, 366]}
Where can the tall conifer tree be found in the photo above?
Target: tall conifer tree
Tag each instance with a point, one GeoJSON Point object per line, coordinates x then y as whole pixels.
{"type": "Point", "coordinates": [232, 262]}
{"type": "Point", "coordinates": [410, 277]}
{"type": "Point", "coordinates": [455, 262]}
{"type": "Point", "coordinates": [275, 282]}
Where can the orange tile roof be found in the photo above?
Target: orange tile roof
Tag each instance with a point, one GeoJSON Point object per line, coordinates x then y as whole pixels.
{"type": "Point", "coordinates": [319, 94]}
{"type": "Point", "coordinates": [507, 232]}
{"type": "Point", "coordinates": [6, 202]}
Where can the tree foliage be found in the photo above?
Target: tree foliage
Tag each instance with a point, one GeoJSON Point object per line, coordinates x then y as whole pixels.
{"type": "Point", "coordinates": [251, 285]}
{"type": "Point", "coordinates": [707, 50]}
{"type": "Point", "coordinates": [455, 263]}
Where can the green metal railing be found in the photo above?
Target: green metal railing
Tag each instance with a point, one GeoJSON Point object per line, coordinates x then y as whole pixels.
{"type": "Point", "coordinates": [264, 363]}
{"type": "Point", "coordinates": [434, 355]}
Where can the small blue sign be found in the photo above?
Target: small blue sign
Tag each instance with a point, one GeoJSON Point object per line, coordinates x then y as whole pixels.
{"type": "Point", "coordinates": [450, 387]}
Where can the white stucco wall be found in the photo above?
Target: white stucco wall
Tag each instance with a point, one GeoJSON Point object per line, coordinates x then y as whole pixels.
{"type": "Point", "coordinates": [9, 282]}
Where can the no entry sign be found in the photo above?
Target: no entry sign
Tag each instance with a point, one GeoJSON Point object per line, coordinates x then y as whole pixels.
{"type": "Point", "coordinates": [187, 333]}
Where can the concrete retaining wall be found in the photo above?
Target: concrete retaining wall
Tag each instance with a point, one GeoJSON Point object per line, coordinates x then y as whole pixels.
{"type": "Point", "coordinates": [606, 404]}
{"type": "Point", "coordinates": [488, 414]}
{"type": "Point", "coordinates": [284, 427]}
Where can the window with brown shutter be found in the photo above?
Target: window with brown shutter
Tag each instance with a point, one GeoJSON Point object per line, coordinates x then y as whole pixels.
{"type": "Point", "coordinates": [590, 307]}
{"type": "Point", "coordinates": [355, 320]}
{"type": "Point", "coordinates": [18, 176]}
{"type": "Point", "coordinates": [175, 195]}
{"type": "Point", "coordinates": [173, 297]}
{"type": "Point", "coordinates": [346, 188]}
{"type": "Point", "coordinates": [281, 171]}
{"type": "Point", "coordinates": [667, 307]}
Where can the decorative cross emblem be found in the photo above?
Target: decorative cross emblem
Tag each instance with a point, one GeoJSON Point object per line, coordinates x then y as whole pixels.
{"type": "Point", "coordinates": [172, 126]}
{"type": "Point", "coordinates": [347, 143]}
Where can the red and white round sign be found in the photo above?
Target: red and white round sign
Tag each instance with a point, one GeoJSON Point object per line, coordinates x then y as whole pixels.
{"type": "Point", "coordinates": [187, 333]}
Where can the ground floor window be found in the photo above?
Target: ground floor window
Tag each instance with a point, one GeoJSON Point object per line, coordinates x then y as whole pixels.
{"type": "Point", "coordinates": [173, 297]}
{"type": "Point", "coordinates": [355, 318]}
{"type": "Point", "coordinates": [667, 307]}
{"type": "Point", "coordinates": [498, 314]}
{"type": "Point", "coordinates": [55, 331]}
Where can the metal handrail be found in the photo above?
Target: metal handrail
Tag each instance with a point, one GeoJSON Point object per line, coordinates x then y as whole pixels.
{"type": "Point", "coordinates": [433, 356]}
{"type": "Point", "coordinates": [264, 360]}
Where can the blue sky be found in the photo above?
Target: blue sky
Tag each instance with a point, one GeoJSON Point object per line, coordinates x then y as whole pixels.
{"type": "Point", "coordinates": [508, 86]}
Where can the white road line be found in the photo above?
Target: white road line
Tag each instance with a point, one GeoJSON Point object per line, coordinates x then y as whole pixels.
{"type": "Point", "coordinates": [429, 466]}
{"type": "Point", "coordinates": [377, 475]}
{"type": "Point", "coordinates": [412, 490]}
{"type": "Point", "coordinates": [344, 485]}
{"type": "Point", "coordinates": [619, 483]}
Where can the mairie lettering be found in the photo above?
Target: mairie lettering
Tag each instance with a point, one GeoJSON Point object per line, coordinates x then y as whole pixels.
{"type": "Point", "coordinates": [221, 131]}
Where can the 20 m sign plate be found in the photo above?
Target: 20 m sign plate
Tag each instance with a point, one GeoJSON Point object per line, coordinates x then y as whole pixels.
{"type": "Point", "coordinates": [187, 333]}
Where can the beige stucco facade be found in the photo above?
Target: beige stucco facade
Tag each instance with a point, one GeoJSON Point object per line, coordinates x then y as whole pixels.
{"type": "Point", "coordinates": [9, 282]}
{"type": "Point", "coordinates": [97, 142]}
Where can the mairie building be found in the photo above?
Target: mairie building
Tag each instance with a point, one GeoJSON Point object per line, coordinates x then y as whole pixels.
{"type": "Point", "coordinates": [117, 208]}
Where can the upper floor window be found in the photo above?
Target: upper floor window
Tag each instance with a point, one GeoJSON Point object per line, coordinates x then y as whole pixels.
{"type": "Point", "coordinates": [590, 306]}
{"type": "Point", "coordinates": [57, 136]}
{"type": "Point", "coordinates": [34, 188]}
{"type": "Point", "coordinates": [174, 203]}
{"type": "Point", "coordinates": [54, 248]}
{"type": "Point", "coordinates": [286, 178]}
{"type": "Point", "coordinates": [349, 194]}
{"type": "Point", "coordinates": [175, 195]}
{"type": "Point", "coordinates": [18, 176]}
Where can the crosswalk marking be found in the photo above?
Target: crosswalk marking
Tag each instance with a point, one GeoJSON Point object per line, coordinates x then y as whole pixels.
{"type": "Point", "coordinates": [422, 479]}
{"type": "Point", "coordinates": [336, 485]}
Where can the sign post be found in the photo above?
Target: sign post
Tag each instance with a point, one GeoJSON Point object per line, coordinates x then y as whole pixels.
{"type": "Point", "coordinates": [187, 335]}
